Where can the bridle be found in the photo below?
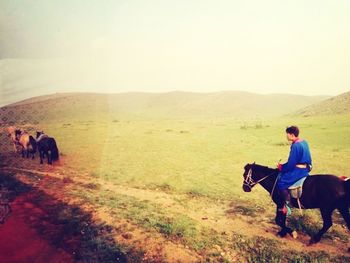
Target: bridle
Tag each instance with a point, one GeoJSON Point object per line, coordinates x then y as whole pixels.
{"type": "Point", "coordinates": [249, 182]}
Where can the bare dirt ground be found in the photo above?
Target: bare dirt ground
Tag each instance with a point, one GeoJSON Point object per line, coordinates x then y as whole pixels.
{"type": "Point", "coordinates": [46, 224]}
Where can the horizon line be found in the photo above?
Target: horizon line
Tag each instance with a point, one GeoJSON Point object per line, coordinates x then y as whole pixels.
{"type": "Point", "coordinates": [162, 92]}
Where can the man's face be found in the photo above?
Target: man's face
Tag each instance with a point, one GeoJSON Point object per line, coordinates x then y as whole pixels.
{"type": "Point", "coordinates": [290, 136]}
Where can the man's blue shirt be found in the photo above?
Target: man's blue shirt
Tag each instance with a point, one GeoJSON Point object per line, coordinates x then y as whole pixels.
{"type": "Point", "coordinates": [299, 154]}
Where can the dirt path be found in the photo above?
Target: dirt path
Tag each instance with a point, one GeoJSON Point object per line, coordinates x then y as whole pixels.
{"type": "Point", "coordinates": [147, 246]}
{"type": "Point", "coordinates": [20, 242]}
{"type": "Point", "coordinates": [217, 217]}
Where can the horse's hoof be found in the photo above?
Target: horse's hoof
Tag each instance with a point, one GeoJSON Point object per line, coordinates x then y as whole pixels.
{"type": "Point", "coordinates": [313, 241]}
{"type": "Point", "coordinates": [281, 233]}
{"type": "Point", "coordinates": [294, 234]}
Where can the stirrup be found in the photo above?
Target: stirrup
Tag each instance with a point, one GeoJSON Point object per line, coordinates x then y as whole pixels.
{"type": "Point", "coordinates": [285, 210]}
{"type": "Point", "coordinates": [289, 210]}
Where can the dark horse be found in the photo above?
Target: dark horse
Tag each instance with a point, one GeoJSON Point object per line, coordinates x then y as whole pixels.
{"type": "Point", "coordinates": [324, 191]}
{"type": "Point", "coordinates": [47, 146]}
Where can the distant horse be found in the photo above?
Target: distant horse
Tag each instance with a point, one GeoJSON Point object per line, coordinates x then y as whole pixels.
{"type": "Point", "coordinates": [27, 142]}
{"type": "Point", "coordinates": [324, 191]}
{"type": "Point", "coordinates": [47, 146]}
{"type": "Point", "coordinates": [11, 133]}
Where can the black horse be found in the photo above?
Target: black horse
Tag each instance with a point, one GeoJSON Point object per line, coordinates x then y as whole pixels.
{"type": "Point", "coordinates": [324, 191]}
{"type": "Point", "coordinates": [47, 146]}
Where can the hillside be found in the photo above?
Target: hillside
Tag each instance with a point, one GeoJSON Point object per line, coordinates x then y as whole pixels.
{"type": "Point", "coordinates": [90, 106]}
{"type": "Point", "coordinates": [219, 104]}
{"type": "Point", "coordinates": [336, 105]}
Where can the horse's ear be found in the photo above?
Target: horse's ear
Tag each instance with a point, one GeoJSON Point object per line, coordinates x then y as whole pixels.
{"type": "Point", "coordinates": [254, 162]}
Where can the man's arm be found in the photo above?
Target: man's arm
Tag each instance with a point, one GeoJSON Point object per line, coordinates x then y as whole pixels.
{"type": "Point", "coordinates": [292, 160]}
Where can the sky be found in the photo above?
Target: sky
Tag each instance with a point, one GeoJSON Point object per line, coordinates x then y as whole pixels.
{"type": "Point", "coordinates": [111, 46]}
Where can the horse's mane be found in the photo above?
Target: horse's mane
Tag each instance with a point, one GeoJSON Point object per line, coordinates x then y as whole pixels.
{"type": "Point", "coordinates": [264, 168]}
{"type": "Point", "coordinates": [41, 136]}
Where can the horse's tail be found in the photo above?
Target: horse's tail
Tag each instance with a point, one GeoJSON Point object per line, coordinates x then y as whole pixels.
{"type": "Point", "coordinates": [347, 187]}
{"type": "Point", "coordinates": [32, 142]}
{"type": "Point", "coordinates": [54, 150]}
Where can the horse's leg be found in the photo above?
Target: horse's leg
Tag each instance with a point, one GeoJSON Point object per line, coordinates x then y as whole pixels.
{"type": "Point", "coordinates": [14, 147]}
{"type": "Point", "coordinates": [41, 153]}
{"type": "Point", "coordinates": [281, 216]}
{"type": "Point", "coordinates": [344, 211]}
{"type": "Point", "coordinates": [27, 152]}
{"type": "Point", "coordinates": [326, 214]}
{"type": "Point", "coordinates": [281, 221]}
{"type": "Point", "coordinates": [281, 213]}
{"type": "Point", "coordinates": [49, 161]}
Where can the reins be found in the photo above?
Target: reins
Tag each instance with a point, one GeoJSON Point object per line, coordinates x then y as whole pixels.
{"type": "Point", "coordinates": [274, 186]}
{"type": "Point", "coordinates": [251, 183]}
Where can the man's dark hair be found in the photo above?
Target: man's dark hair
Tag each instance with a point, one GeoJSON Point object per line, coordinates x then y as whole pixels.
{"type": "Point", "coordinates": [293, 130]}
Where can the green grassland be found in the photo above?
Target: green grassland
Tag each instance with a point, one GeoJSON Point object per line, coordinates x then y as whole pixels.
{"type": "Point", "coordinates": [204, 157]}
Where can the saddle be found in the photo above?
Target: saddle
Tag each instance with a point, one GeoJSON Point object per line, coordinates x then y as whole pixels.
{"type": "Point", "coordinates": [296, 190]}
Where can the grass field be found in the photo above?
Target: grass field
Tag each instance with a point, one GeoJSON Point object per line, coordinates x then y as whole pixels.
{"type": "Point", "coordinates": [202, 157]}
{"type": "Point", "coordinates": [182, 179]}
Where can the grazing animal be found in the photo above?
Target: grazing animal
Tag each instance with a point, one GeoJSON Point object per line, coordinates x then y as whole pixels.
{"type": "Point", "coordinates": [324, 191]}
{"type": "Point", "coordinates": [47, 147]}
{"type": "Point", "coordinates": [27, 142]}
{"type": "Point", "coordinates": [11, 133]}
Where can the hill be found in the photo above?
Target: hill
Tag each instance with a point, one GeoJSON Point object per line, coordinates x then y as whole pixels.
{"type": "Point", "coordinates": [87, 106]}
{"type": "Point", "coordinates": [336, 105]}
{"type": "Point", "coordinates": [219, 104]}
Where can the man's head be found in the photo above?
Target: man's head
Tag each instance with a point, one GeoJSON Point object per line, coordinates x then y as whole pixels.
{"type": "Point", "coordinates": [292, 133]}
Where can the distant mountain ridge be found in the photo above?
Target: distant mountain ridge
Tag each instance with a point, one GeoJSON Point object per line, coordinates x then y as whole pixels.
{"type": "Point", "coordinates": [175, 104]}
{"type": "Point", "coordinates": [336, 105]}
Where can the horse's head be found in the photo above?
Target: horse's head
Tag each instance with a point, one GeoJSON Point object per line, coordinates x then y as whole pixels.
{"type": "Point", "coordinates": [18, 133]}
{"type": "Point", "coordinates": [254, 174]}
{"type": "Point", "coordinates": [11, 131]}
{"type": "Point", "coordinates": [38, 133]}
{"type": "Point", "coordinates": [248, 181]}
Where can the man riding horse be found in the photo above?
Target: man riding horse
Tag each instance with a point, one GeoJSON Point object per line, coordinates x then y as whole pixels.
{"type": "Point", "coordinates": [297, 167]}
{"type": "Point", "coordinates": [327, 192]}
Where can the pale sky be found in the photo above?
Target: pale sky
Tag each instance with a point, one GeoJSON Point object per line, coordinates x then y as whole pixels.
{"type": "Point", "coordinates": [300, 47]}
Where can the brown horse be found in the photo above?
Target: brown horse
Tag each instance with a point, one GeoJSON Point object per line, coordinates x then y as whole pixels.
{"type": "Point", "coordinates": [11, 133]}
{"type": "Point", "coordinates": [27, 142]}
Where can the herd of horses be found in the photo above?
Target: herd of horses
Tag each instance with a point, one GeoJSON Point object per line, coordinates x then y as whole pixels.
{"type": "Point", "coordinates": [45, 145]}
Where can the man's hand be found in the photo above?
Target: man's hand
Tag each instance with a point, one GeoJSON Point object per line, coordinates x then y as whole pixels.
{"type": "Point", "coordinates": [279, 167]}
